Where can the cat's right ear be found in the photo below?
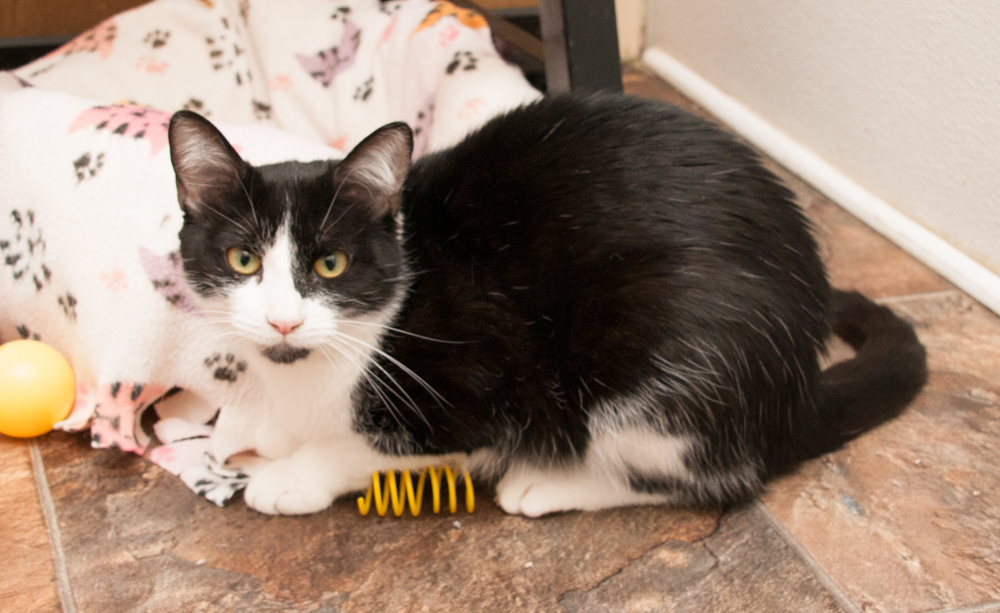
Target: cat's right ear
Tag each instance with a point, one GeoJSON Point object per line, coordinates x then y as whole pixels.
{"type": "Point", "coordinates": [206, 165]}
{"type": "Point", "coordinates": [377, 167]}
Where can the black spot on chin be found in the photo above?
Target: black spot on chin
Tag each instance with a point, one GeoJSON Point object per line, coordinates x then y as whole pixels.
{"type": "Point", "coordinates": [285, 354]}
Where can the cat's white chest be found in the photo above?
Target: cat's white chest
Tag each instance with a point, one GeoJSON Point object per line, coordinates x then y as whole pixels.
{"type": "Point", "coordinates": [294, 404]}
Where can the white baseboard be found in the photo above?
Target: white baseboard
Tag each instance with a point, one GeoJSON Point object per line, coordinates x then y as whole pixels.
{"type": "Point", "coordinates": [967, 274]}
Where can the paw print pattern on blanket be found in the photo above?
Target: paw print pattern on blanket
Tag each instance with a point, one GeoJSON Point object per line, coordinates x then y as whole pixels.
{"type": "Point", "coordinates": [441, 10]}
{"type": "Point", "coordinates": [326, 65]}
{"type": "Point", "coordinates": [364, 90]}
{"type": "Point", "coordinates": [244, 9]}
{"type": "Point", "coordinates": [127, 120]}
{"type": "Point", "coordinates": [157, 38]}
{"type": "Point", "coordinates": [389, 8]}
{"type": "Point", "coordinates": [26, 333]}
{"type": "Point", "coordinates": [465, 60]}
{"type": "Point", "coordinates": [198, 106]}
{"type": "Point", "coordinates": [24, 249]}
{"type": "Point", "coordinates": [151, 65]}
{"type": "Point", "coordinates": [189, 458]}
{"type": "Point", "coordinates": [422, 127]}
{"type": "Point", "coordinates": [225, 51]}
{"type": "Point", "coordinates": [261, 110]}
{"type": "Point", "coordinates": [117, 408]}
{"type": "Point", "coordinates": [341, 14]}
{"type": "Point", "coordinates": [114, 280]}
{"type": "Point", "coordinates": [87, 165]}
{"type": "Point", "coordinates": [167, 275]}
{"type": "Point", "coordinates": [68, 304]}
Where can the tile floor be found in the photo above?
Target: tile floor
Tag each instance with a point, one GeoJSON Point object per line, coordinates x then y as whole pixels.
{"type": "Point", "coordinates": [905, 519]}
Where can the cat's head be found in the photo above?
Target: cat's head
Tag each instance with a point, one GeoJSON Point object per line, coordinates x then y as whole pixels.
{"type": "Point", "coordinates": [296, 255]}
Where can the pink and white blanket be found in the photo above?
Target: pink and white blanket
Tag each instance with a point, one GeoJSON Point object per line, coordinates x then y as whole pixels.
{"type": "Point", "coordinates": [287, 80]}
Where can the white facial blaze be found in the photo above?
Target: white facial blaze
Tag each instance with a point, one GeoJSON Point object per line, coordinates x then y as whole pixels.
{"type": "Point", "coordinates": [282, 304]}
{"type": "Point", "coordinates": [270, 310]}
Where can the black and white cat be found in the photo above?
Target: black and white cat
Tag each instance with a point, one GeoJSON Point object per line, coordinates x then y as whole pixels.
{"type": "Point", "coordinates": [590, 302]}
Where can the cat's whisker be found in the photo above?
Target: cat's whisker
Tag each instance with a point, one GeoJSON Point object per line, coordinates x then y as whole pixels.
{"type": "Point", "coordinates": [354, 322]}
{"type": "Point", "coordinates": [399, 391]}
{"type": "Point", "coordinates": [438, 397]}
{"type": "Point", "coordinates": [378, 386]}
{"type": "Point", "coordinates": [396, 389]}
{"type": "Point", "coordinates": [253, 211]}
{"type": "Point", "coordinates": [322, 224]}
{"type": "Point", "coordinates": [199, 323]}
{"type": "Point", "coordinates": [242, 225]}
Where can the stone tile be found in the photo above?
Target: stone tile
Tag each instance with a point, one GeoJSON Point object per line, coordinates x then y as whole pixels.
{"type": "Point", "coordinates": [907, 518]}
{"type": "Point", "coordinates": [637, 80]}
{"type": "Point", "coordinates": [984, 608]}
{"type": "Point", "coordinates": [857, 257]}
{"type": "Point", "coordinates": [745, 567]}
{"type": "Point", "coordinates": [137, 540]}
{"type": "Point", "coordinates": [27, 582]}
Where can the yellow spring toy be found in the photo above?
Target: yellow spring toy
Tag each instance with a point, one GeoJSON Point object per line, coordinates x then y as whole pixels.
{"type": "Point", "coordinates": [398, 494]}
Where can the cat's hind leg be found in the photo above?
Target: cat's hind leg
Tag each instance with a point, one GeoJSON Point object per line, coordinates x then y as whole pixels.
{"type": "Point", "coordinates": [605, 478]}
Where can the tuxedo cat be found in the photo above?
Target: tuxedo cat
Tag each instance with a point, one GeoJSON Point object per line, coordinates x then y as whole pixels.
{"type": "Point", "coordinates": [589, 302]}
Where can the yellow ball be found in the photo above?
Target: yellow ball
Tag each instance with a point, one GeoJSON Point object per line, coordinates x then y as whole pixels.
{"type": "Point", "coordinates": [37, 388]}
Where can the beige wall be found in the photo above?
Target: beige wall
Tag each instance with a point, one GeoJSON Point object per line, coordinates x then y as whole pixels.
{"type": "Point", "coordinates": [630, 15]}
{"type": "Point", "coordinates": [631, 18]}
{"type": "Point", "coordinates": [901, 97]}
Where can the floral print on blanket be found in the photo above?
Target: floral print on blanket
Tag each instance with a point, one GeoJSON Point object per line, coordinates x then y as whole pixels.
{"type": "Point", "coordinates": [327, 64]}
{"type": "Point", "coordinates": [128, 120]}
{"type": "Point", "coordinates": [466, 17]}
{"type": "Point", "coordinates": [166, 272]}
{"type": "Point", "coordinates": [100, 40]}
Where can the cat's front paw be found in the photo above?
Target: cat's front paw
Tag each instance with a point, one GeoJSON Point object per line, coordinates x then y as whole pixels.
{"type": "Point", "coordinates": [280, 489]}
{"type": "Point", "coordinates": [536, 492]}
{"type": "Point", "coordinates": [529, 495]}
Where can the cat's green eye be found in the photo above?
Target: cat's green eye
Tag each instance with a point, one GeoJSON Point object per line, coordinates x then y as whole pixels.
{"type": "Point", "coordinates": [243, 261]}
{"type": "Point", "coordinates": [332, 265]}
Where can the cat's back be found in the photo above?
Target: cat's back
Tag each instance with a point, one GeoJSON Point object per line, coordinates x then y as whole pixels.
{"type": "Point", "coordinates": [590, 187]}
{"type": "Point", "coordinates": [596, 239]}
{"type": "Point", "coordinates": [640, 166]}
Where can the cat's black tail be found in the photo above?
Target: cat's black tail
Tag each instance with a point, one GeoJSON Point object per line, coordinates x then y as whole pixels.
{"type": "Point", "coordinates": [889, 368]}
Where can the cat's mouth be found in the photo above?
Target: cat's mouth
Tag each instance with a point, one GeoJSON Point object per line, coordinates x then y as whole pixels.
{"type": "Point", "coordinates": [283, 353]}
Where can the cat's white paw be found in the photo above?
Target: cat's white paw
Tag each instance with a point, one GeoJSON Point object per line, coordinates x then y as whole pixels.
{"type": "Point", "coordinates": [530, 494]}
{"type": "Point", "coordinates": [533, 492]}
{"type": "Point", "coordinates": [279, 489]}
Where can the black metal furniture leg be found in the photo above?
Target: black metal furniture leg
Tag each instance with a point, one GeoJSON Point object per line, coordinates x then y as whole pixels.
{"type": "Point", "coordinates": [580, 40]}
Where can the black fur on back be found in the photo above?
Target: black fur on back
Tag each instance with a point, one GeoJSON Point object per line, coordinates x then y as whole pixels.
{"type": "Point", "coordinates": [618, 256]}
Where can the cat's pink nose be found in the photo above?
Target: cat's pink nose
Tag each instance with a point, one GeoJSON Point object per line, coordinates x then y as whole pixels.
{"type": "Point", "coordinates": [285, 327]}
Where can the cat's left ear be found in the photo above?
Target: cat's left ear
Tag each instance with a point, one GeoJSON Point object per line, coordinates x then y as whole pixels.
{"type": "Point", "coordinates": [377, 168]}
